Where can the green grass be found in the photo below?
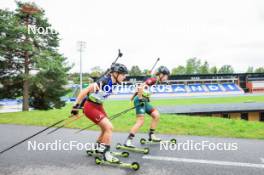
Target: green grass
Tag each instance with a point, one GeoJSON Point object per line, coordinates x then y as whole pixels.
{"type": "Point", "coordinates": [189, 101]}
{"type": "Point", "coordinates": [169, 124]}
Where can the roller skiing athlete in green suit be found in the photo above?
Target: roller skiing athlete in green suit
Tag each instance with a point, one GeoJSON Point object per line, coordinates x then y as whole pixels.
{"type": "Point", "coordinates": [143, 96]}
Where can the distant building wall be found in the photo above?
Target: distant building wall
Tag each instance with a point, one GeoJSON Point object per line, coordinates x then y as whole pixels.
{"type": "Point", "coordinates": [235, 115]}
{"type": "Point", "coordinates": [254, 116]}
{"type": "Point", "coordinates": [250, 116]}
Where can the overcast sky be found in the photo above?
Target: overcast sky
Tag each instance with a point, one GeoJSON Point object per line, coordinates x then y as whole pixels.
{"type": "Point", "coordinates": [219, 31]}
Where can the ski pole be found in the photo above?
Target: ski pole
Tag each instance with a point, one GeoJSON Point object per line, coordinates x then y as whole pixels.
{"type": "Point", "coordinates": [111, 118]}
{"type": "Point", "coordinates": [39, 132]}
{"type": "Point", "coordinates": [120, 54]}
{"type": "Point", "coordinates": [154, 65]}
{"type": "Point", "coordinates": [151, 70]}
{"type": "Point", "coordinates": [74, 118]}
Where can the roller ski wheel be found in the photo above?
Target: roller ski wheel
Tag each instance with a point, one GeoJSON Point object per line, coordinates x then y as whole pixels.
{"type": "Point", "coordinates": [174, 141]}
{"type": "Point", "coordinates": [134, 166]}
{"type": "Point", "coordinates": [98, 161]}
{"type": "Point", "coordinates": [145, 141]}
{"type": "Point", "coordinates": [125, 154]}
{"type": "Point", "coordinates": [132, 149]}
{"type": "Point", "coordinates": [91, 152]}
{"type": "Point", "coordinates": [120, 154]}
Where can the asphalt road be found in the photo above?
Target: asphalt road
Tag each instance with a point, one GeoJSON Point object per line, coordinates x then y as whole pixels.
{"type": "Point", "coordinates": [247, 157]}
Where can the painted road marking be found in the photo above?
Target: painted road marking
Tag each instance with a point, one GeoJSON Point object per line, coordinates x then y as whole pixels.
{"type": "Point", "coordinates": [201, 161]}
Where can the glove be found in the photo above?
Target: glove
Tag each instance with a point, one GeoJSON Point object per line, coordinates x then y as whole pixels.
{"type": "Point", "coordinates": [75, 109]}
{"type": "Point", "coordinates": [141, 102]}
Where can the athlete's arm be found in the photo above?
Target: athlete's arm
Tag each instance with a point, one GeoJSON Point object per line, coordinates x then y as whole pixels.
{"type": "Point", "coordinates": [140, 88]}
{"type": "Point", "coordinates": [91, 88]}
{"type": "Point", "coordinates": [148, 82]}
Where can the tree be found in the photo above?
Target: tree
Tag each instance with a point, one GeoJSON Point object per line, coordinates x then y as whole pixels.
{"type": "Point", "coordinates": [20, 48]}
{"type": "Point", "coordinates": [213, 70]}
{"type": "Point", "coordinates": [146, 72]}
{"type": "Point", "coordinates": [74, 77]}
{"type": "Point", "coordinates": [259, 70]}
{"type": "Point", "coordinates": [193, 66]}
{"type": "Point", "coordinates": [180, 70]}
{"type": "Point", "coordinates": [11, 87]}
{"type": "Point", "coordinates": [204, 69]}
{"type": "Point", "coordinates": [96, 72]}
{"type": "Point", "coordinates": [135, 71]}
{"type": "Point", "coordinates": [250, 70]}
{"type": "Point", "coordinates": [46, 87]}
{"type": "Point", "coordinates": [226, 69]}
{"type": "Point", "coordinates": [10, 68]}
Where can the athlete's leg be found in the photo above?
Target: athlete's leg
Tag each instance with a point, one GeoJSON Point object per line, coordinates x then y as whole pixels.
{"type": "Point", "coordinates": [105, 140]}
{"type": "Point", "coordinates": [155, 119]}
{"type": "Point", "coordinates": [140, 111]}
{"type": "Point", "coordinates": [138, 124]}
{"type": "Point", "coordinates": [134, 129]}
{"type": "Point", "coordinates": [154, 122]}
{"type": "Point", "coordinates": [106, 131]}
{"type": "Point", "coordinates": [99, 139]}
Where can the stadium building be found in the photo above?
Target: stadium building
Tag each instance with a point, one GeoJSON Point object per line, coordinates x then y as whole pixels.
{"type": "Point", "coordinates": [215, 85]}
{"type": "Point", "coordinates": [206, 86]}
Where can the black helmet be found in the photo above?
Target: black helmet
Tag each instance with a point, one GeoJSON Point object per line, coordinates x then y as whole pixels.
{"type": "Point", "coordinates": [163, 70]}
{"type": "Point", "coordinates": [119, 68]}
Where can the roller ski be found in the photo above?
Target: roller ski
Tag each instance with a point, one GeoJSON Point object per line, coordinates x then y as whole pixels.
{"type": "Point", "coordinates": [154, 140]}
{"type": "Point", "coordinates": [144, 141]}
{"type": "Point", "coordinates": [132, 148]}
{"type": "Point", "coordinates": [94, 153]}
{"type": "Point", "coordinates": [134, 165]}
